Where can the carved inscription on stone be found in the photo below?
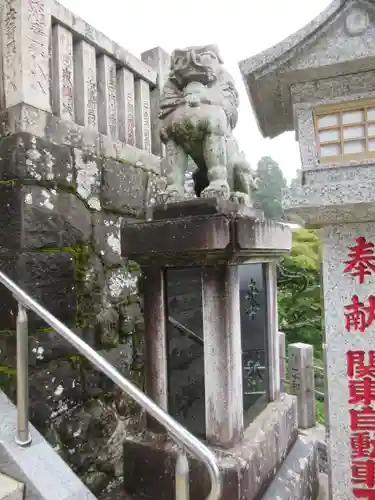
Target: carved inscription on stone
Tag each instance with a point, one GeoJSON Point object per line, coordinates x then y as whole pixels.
{"type": "Point", "coordinates": [112, 100]}
{"type": "Point", "coordinates": [62, 81]}
{"type": "Point", "coordinates": [146, 125]}
{"type": "Point", "coordinates": [85, 86]}
{"type": "Point", "coordinates": [25, 50]}
{"type": "Point", "coordinates": [10, 49]}
{"type": "Point", "coordinates": [107, 102]}
{"type": "Point", "coordinates": [67, 98]}
{"type": "Point", "coordinates": [142, 114]}
{"type": "Point", "coordinates": [125, 106]}
{"type": "Point", "coordinates": [130, 119]}
{"type": "Point", "coordinates": [37, 48]}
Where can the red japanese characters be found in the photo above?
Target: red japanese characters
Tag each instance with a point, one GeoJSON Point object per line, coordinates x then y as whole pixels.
{"type": "Point", "coordinates": [359, 315]}
{"type": "Point", "coordinates": [361, 261]}
{"type": "Point", "coordinates": [361, 373]}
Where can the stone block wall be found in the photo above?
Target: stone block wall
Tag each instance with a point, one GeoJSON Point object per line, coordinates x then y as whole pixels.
{"type": "Point", "coordinates": [61, 209]}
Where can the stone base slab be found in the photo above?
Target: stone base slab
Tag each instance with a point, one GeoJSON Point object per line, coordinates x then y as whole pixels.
{"type": "Point", "coordinates": [247, 468]}
{"type": "Point", "coordinates": [298, 477]}
{"type": "Point", "coordinates": [45, 475]}
{"type": "Point", "coordinates": [10, 489]}
{"type": "Point", "coordinates": [205, 232]}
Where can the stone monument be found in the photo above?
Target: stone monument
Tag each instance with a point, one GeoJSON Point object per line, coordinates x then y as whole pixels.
{"type": "Point", "coordinates": [207, 262]}
{"type": "Point", "coordinates": [320, 82]}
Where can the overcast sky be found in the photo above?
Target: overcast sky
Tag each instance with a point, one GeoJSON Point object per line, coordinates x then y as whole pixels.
{"type": "Point", "coordinates": [241, 28]}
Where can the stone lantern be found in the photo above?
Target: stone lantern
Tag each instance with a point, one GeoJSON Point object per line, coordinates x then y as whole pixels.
{"type": "Point", "coordinates": [320, 82]}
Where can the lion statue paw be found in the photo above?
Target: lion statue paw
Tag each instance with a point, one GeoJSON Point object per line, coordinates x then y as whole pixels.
{"type": "Point", "coordinates": [217, 189]}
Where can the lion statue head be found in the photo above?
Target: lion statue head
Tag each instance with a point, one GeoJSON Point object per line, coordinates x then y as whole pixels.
{"type": "Point", "coordinates": [195, 64]}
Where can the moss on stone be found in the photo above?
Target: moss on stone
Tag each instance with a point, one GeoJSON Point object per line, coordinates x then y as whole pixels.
{"type": "Point", "coordinates": [10, 183]}
{"type": "Point", "coordinates": [81, 255]}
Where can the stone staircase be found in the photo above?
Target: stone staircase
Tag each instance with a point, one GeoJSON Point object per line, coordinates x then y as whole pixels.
{"type": "Point", "coordinates": [10, 489]}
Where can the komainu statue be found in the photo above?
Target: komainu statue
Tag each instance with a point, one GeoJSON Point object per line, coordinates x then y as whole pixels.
{"type": "Point", "coordinates": [198, 111]}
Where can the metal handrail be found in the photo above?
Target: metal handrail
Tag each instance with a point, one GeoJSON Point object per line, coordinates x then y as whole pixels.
{"type": "Point", "coordinates": [177, 431]}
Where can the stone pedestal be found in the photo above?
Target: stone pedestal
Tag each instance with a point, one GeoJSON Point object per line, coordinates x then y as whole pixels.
{"type": "Point", "coordinates": [247, 468]}
{"type": "Point", "coordinates": [192, 254]}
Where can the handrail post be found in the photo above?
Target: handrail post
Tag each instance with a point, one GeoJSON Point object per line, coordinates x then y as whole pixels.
{"type": "Point", "coordinates": [182, 477]}
{"type": "Point", "coordinates": [23, 437]}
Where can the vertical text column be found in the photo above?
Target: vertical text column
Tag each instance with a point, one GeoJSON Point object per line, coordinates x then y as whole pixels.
{"type": "Point", "coordinates": [349, 303]}
{"type": "Point", "coordinates": [142, 115]}
{"type": "Point", "coordinates": [85, 86]}
{"type": "Point", "coordinates": [107, 93]}
{"type": "Point", "coordinates": [62, 73]}
{"type": "Point", "coordinates": [158, 60]}
{"type": "Point", "coordinates": [25, 52]}
{"type": "Point", "coordinates": [125, 106]}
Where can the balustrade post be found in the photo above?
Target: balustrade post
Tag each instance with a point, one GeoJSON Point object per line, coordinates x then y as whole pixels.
{"type": "Point", "coordinates": [25, 28]}
{"type": "Point", "coordinates": [158, 60]}
{"type": "Point", "coordinates": [182, 477]}
{"type": "Point", "coordinates": [23, 437]}
{"type": "Point", "coordinates": [302, 383]}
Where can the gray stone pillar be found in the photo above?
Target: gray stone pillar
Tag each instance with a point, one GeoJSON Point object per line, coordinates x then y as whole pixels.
{"type": "Point", "coordinates": [222, 355]}
{"type": "Point", "coordinates": [107, 96]}
{"type": "Point", "coordinates": [273, 331]}
{"type": "Point", "coordinates": [155, 337]}
{"type": "Point", "coordinates": [25, 53]}
{"type": "Point", "coordinates": [62, 73]}
{"type": "Point", "coordinates": [302, 385]}
{"type": "Point", "coordinates": [159, 60]}
{"type": "Point", "coordinates": [85, 85]}
{"type": "Point", "coordinates": [126, 106]}
{"type": "Point", "coordinates": [142, 115]}
{"type": "Point", "coordinates": [282, 358]}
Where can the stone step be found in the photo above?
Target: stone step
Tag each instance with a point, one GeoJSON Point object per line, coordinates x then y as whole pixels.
{"type": "Point", "coordinates": [298, 477]}
{"type": "Point", "coordinates": [10, 489]}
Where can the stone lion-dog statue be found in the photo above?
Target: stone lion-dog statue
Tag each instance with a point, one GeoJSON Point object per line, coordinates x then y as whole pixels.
{"type": "Point", "coordinates": [198, 112]}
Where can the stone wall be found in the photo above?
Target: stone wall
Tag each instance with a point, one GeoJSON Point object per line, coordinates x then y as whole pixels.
{"type": "Point", "coordinates": [60, 214]}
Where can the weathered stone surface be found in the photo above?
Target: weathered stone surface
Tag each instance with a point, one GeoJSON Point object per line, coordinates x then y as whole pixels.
{"type": "Point", "coordinates": [107, 98]}
{"type": "Point", "coordinates": [48, 482]}
{"type": "Point", "coordinates": [142, 115]}
{"type": "Point", "coordinates": [44, 347]}
{"type": "Point", "coordinates": [35, 217]}
{"type": "Point", "coordinates": [302, 382]}
{"type": "Point", "coordinates": [247, 468]}
{"type": "Point", "coordinates": [124, 187]}
{"type": "Point", "coordinates": [156, 185]}
{"type": "Point", "coordinates": [31, 158]}
{"type": "Point", "coordinates": [63, 73]}
{"type": "Point", "coordinates": [298, 476]}
{"type": "Point", "coordinates": [25, 53]}
{"type": "Point", "coordinates": [85, 85]}
{"type": "Point", "coordinates": [24, 118]}
{"type": "Point", "coordinates": [126, 108]}
{"type": "Point", "coordinates": [198, 112]}
{"type": "Point", "coordinates": [107, 237]}
{"type": "Point", "coordinates": [202, 239]}
{"type": "Point", "coordinates": [88, 171]}
{"type": "Point", "coordinates": [49, 277]}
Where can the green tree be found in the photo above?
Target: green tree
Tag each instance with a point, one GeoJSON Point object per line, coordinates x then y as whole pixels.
{"type": "Point", "coordinates": [271, 182]}
{"type": "Point", "coordinates": [299, 291]}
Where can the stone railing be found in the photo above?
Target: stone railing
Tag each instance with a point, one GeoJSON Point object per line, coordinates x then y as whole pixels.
{"type": "Point", "coordinates": [56, 62]}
